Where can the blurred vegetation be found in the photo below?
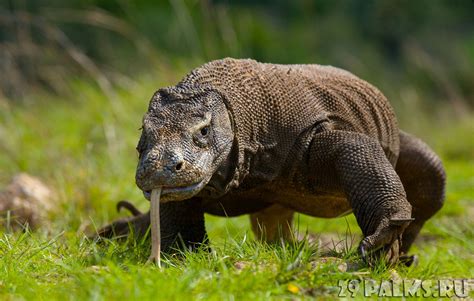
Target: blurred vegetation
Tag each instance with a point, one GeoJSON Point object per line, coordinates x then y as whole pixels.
{"type": "Point", "coordinates": [419, 53]}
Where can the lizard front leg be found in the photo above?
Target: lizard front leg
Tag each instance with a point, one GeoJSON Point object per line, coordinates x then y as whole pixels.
{"type": "Point", "coordinates": [182, 225]}
{"type": "Point", "coordinates": [357, 165]}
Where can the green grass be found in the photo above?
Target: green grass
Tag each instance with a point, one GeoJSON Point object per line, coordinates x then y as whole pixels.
{"type": "Point", "coordinates": [83, 147]}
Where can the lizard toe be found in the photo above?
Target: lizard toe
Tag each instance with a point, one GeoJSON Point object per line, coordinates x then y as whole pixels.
{"type": "Point", "coordinates": [384, 244]}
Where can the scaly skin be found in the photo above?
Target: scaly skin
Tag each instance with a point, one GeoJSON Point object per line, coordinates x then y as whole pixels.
{"type": "Point", "coordinates": [241, 137]}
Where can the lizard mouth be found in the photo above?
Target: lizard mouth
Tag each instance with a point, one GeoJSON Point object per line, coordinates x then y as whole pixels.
{"type": "Point", "coordinates": [177, 193]}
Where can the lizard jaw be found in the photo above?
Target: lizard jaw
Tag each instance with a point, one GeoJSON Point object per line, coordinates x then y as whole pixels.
{"type": "Point", "coordinates": [178, 193]}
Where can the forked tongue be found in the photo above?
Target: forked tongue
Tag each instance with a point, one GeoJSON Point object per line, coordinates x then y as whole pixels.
{"type": "Point", "coordinates": [155, 227]}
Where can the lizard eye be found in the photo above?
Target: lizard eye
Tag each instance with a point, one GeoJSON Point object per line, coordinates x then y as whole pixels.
{"type": "Point", "coordinates": [201, 138]}
{"type": "Point", "coordinates": [205, 131]}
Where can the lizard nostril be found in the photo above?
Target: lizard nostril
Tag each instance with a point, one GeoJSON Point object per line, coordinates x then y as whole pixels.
{"type": "Point", "coordinates": [179, 166]}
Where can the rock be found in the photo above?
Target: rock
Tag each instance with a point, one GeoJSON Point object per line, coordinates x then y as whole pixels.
{"type": "Point", "coordinates": [25, 201]}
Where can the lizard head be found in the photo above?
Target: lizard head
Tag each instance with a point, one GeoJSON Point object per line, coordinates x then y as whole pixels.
{"type": "Point", "coordinates": [186, 135]}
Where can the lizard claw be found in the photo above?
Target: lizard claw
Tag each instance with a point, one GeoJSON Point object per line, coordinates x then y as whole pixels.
{"type": "Point", "coordinates": [409, 260]}
{"type": "Point", "coordinates": [363, 253]}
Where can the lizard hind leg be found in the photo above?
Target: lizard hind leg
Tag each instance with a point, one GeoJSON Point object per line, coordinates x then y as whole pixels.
{"type": "Point", "coordinates": [273, 224]}
{"type": "Point", "coordinates": [423, 178]}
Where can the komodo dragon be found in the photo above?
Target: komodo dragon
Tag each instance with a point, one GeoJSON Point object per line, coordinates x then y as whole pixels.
{"type": "Point", "coordinates": [241, 137]}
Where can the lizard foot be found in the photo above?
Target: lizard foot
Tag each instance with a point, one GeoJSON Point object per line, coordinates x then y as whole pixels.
{"type": "Point", "coordinates": [385, 243]}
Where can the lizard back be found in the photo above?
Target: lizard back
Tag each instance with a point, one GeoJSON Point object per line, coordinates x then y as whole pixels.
{"type": "Point", "coordinates": [272, 105]}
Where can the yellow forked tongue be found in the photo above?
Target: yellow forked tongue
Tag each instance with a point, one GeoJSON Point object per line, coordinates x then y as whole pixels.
{"type": "Point", "coordinates": [155, 227]}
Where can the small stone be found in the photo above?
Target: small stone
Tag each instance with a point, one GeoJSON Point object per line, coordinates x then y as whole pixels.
{"type": "Point", "coordinates": [395, 276]}
{"type": "Point", "coordinates": [98, 268]}
{"type": "Point", "coordinates": [26, 200]}
{"type": "Point", "coordinates": [342, 267]}
{"type": "Point", "coordinates": [240, 265]}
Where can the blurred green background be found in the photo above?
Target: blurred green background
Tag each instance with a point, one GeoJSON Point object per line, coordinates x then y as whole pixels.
{"type": "Point", "coordinates": [419, 53]}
